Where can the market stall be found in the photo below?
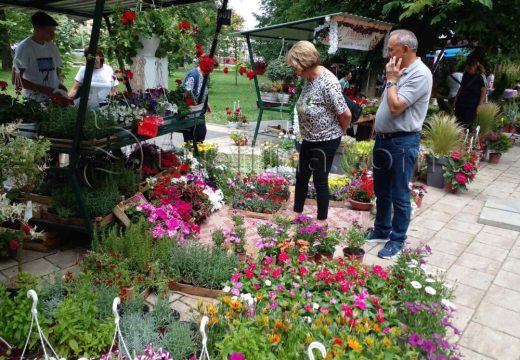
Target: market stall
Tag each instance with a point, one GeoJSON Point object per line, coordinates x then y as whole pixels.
{"type": "Point", "coordinates": [338, 30]}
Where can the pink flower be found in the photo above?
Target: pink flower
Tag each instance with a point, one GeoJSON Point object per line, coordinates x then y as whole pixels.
{"type": "Point", "coordinates": [468, 167]}
{"type": "Point", "coordinates": [461, 178]}
{"type": "Point", "coordinates": [283, 257]}
{"type": "Point", "coordinates": [455, 155]}
{"type": "Point", "coordinates": [308, 307]}
{"type": "Point", "coordinates": [493, 136]}
{"type": "Point", "coordinates": [237, 356]}
{"type": "Point", "coordinates": [256, 286]}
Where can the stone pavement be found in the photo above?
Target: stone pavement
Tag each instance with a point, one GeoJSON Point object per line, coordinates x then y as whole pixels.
{"type": "Point", "coordinates": [481, 261]}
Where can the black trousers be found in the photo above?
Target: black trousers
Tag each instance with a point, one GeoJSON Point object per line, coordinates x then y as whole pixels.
{"type": "Point", "coordinates": [316, 161]}
{"type": "Point", "coordinates": [198, 132]}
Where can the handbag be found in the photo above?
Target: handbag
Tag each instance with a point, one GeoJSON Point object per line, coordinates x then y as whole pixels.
{"type": "Point", "coordinates": [148, 126]}
{"type": "Point", "coordinates": [355, 108]}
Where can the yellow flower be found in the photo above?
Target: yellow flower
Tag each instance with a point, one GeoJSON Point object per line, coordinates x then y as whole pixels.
{"type": "Point", "coordinates": [235, 304]}
{"type": "Point", "coordinates": [369, 341]}
{"type": "Point", "coordinates": [212, 310]}
{"type": "Point", "coordinates": [354, 344]}
{"type": "Point", "coordinates": [325, 330]}
{"type": "Point", "coordinates": [387, 341]}
{"type": "Point", "coordinates": [377, 328]}
{"type": "Point", "coordinates": [226, 300]}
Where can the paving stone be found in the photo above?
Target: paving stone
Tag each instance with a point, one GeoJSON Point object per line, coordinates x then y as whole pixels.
{"type": "Point", "coordinates": [490, 342]}
{"type": "Point", "coordinates": [471, 277]}
{"type": "Point", "coordinates": [2, 278]}
{"type": "Point", "coordinates": [443, 207]}
{"type": "Point", "coordinates": [511, 234]}
{"type": "Point", "coordinates": [39, 267]}
{"type": "Point", "coordinates": [515, 252]}
{"type": "Point", "coordinates": [413, 242]}
{"type": "Point", "coordinates": [495, 240]}
{"type": "Point", "coordinates": [462, 316]}
{"type": "Point", "coordinates": [64, 259]}
{"type": "Point", "coordinates": [186, 312]}
{"type": "Point", "coordinates": [29, 255]}
{"type": "Point", "coordinates": [493, 191]}
{"type": "Point", "coordinates": [501, 296]}
{"type": "Point", "coordinates": [420, 232]}
{"type": "Point", "coordinates": [488, 251]}
{"type": "Point", "coordinates": [446, 246]}
{"type": "Point", "coordinates": [437, 215]}
{"type": "Point", "coordinates": [431, 224]}
{"type": "Point", "coordinates": [468, 296]}
{"type": "Point", "coordinates": [471, 355]}
{"type": "Point", "coordinates": [371, 259]}
{"type": "Point", "coordinates": [512, 265]}
{"type": "Point", "coordinates": [503, 204]}
{"type": "Point", "coordinates": [455, 236]}
{"type": "Point", "coordinates": [469, 218]}
{"type": "Point", "coordinates": [456, 224]}
{"type": "Point", "coordinates": [498, 318]}
{"type": "Point", "coordinates": [5, 264]}
{"type": "Point", "coordinates": [508, 280]}
{"type": "Point", "coordinates": [441, 259]}
{"type": "Point", "coordinates": [480, 263]}
{"type": "Point", "coordinates": [500, 218]}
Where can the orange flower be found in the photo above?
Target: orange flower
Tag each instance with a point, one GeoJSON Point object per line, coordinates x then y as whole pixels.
{"type": "Point", "coordinates": [387, 341]}
{"type": "Point", "coordinates": [275, 339]}
{"type": "Point", "coordinates": [338, 341]}
{"type": "Point", "coordinates": [354, 344]}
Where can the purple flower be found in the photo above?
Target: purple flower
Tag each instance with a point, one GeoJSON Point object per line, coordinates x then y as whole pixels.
{"type": "Point", "coordinates": [274, 305]}
{"type": "Point", "coordinates": [235, 292]}
{"type": "Point", "coordinates": [237, 356]}
{"type": "Point", "coordinates": [415, 340]}
{"type": "Point", "coordinates": [428, 346]}
{"type": "Point", "coordinates": [272, 294]}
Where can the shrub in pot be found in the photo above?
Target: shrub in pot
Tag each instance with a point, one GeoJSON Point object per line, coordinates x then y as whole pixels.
{"type": "Point", "coordinates": [486, 117]}
{"type": "Point", "coordinates": [460, 170]}
{"type": "Point", "coordinates": [497, 145]}
{"type": "Point", "coordinates": [279, 71]}
{"type": "Point", "coordinates": [442, 135]}
{"type": "Point", "coordinates": [355, 241]}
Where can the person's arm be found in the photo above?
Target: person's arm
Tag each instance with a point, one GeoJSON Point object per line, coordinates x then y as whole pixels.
{"type": "Point", "coordinates": [74, 89]}
{"type": "Point", "coordinates": [344, 120]}
{"type": "Point", "coordinates": [395, 103]}
{"type": "Point", "coordinates": [29, 85]}
{"type": "Point", "coordinates": [60, 86]}
{"type": "Point", "coordinates": [483, 93]}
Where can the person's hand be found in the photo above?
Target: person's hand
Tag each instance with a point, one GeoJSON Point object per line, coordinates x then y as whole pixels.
{"type": "Point", "coordinates": [393, 73]}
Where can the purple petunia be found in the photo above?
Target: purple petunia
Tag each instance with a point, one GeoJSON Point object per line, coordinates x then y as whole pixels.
{"type": "Point", "coordinates": [415, 340]}
{"type": "Point", "coordinates": [428, 346]}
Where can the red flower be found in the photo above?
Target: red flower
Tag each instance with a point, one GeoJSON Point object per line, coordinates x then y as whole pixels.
{"type": "Point", "coordinates": [118, 71]}
{"type": "Point", "coordinates": [493, 136]}
{"type": "Point", "coordinates": [200, 51]}
{"type": "Point", "coordinates": [455, 155]}
{"type": "Point", "coordinates": [251, 75]}
{"type": "Point", "coordinates": [129, 74]}
{"type": "Point", "coordinates": [184, 25]}
{"type": "Point", "coordinates": [242, 70]}
{"type": "Point", "coordinates": [128, 18]}
{"type": "Point", "coordinates": [468, 167]}
{"type": "Point", "coordinates": [178, 81]}
{"type": "Point", "coordinates": [27, 229]}
{"type": "Point", "coordinates": [184, 168]}
{"type": "Point", "coordinates": [3, 85]}
{"type": "Point", "coordinates": [189, 101]}
{"type": "Point", "coordinates": [461, 178]}
{"type": "Point", "coordinates": [206, 64]}
{"type": "Point", "coordinates": [283, 257]}
{"type": "Point", "coordinates": [14, 245]}
{"type": "Point", "coordinates": [225, 70]}
{"type": "Point", "coordinates": [171, 284]}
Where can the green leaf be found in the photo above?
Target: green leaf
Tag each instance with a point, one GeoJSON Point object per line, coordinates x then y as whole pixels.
{"type": "Point", "coordinates": [74, 345]}
{"type": "Point", "coordinates": [487, 3]}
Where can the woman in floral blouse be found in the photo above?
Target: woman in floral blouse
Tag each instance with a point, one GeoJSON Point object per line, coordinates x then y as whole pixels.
{"type": "Point", "coordinates": [323, 117]}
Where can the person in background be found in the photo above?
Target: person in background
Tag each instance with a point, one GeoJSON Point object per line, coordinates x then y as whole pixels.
{"type": "Point", "coordinates": [398, 126]}
{"type": "Point", "coordinates": [344, 81]}
{"type": "Point", "coordinates": [453, 80]}
{"type": "Point", "coordinates": [490, 83]}
{"type": "Point", "coordinates": [471, 94]}
{"type": "Point", "coordinates": [193, 82]}
{"type": "Point", "coordinates": [37, 61]}
{"type": "Point", "coordinates": [103, 79]}
{"type": "Point", "coordinates": [323, 118]}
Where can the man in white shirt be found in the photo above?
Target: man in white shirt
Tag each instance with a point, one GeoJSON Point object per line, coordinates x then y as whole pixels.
{"type": "Point", "coordinates": [37, 61]}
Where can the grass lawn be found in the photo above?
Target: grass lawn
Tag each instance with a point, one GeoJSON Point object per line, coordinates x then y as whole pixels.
{"type": "Point", "coordinates": [222, 93]}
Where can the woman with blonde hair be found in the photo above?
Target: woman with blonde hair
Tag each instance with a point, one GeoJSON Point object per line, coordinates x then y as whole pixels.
{"type": "Point", "coordinates": [324, 118]}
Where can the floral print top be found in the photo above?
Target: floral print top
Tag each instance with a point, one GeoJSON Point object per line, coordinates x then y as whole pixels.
{"type": "Point", "coordinates": [318, 107]}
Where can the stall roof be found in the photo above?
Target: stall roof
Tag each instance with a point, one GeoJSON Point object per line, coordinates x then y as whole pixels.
{"type": "Point", "coordinates": [304, 29]}
{"type": "Point", "coordinates": [85, 8]}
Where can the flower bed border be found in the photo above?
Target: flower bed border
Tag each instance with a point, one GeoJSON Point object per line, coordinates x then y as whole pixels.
{"type": "Point", "coordinates": [196, 291]}
{"type": "Point", "coordinates": [97, 222]}
{"type": "Point", "coordinates": [257, 215]}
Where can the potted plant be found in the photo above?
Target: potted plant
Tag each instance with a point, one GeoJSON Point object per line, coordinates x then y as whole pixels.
{"type": "Point", "coordinates": [278, 71]}
{"type": "Point", "coordinates": [509, 116]}
{"type": "Point", "coordinates": [235, 118]}
{"type": "Point", "coordinates": [417, 191]}
{"type": "Point", "coordinates": [486, 118]}
{"type": "Point", "coordinates": [361, 192]}
{"type": "Point", "coordinates": [442, 135]}
{"type": "Point", "coordinates": [459, 171]}
{"type": "Point", "coordinates": [355, 241]}
{"type": "Point", "coordinates": [239, 138]}
{"type": "Point", "coordinates": [497, 144]}
{"type": "Point", "coordinates": [325, 246]}
{"type": "Point", "coordinates": [260, 67]}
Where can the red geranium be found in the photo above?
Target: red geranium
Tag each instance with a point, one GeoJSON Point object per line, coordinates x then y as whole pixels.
{"type": "Point", "coordinates": [129, 74]}
{"type": "Point", "coordinates": [206, 64]}
{"type": "Point", "coordinates": [461, 178]}
{"type": "Point", "coordinates": [455, 155]}
{"type": "Point", "coordinates": [251, 75]}
{"type": "Point", "coordinates": [14, 245]}
{"type": "Point", "coordinates": [178, 81]}
{"type": "Point", "coordinates": [225, 70]}
{"type": "Point", "coordinates": [468, 167]}
{"type": "Point", "coordinates": [184, 168]}
{"type": "Point", "coordinates": [184, 25]}
{"type": "Point", "coordinates": [200, 51]}
{"type": "Point", "coordinates": [129, 17]}
{"type": "Point", "coordinates": [242, 70]}
{"type": "Point", "coordinates": [3, 85]}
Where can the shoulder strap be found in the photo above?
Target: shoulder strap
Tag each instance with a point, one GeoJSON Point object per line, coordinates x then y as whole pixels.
{"type": "Point", "coordinates": [454, 78]}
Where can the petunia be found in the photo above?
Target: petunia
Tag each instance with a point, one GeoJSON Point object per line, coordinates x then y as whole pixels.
{"type": "Point", "coordinates": [430, 290]}
{"type": "Point", "coordinates": [416, 284]}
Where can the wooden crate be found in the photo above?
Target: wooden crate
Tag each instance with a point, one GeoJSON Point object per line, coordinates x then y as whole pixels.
{"type": "Point", "coordinates": [97, 222]}
{"type": "Point", "coordinates": [97, 142]}
{"type": "Point", "coordinates": [49, 241]}
{"type": "Point", "coordinates": [119, 209]}
{"type": "Point", "coordinates": [196, 291]}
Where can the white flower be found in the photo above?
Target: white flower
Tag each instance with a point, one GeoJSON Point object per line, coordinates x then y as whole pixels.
{"type": "Point", "coordinates": [412, 266]}
{"type": "Point", "coordinates": [413, 261]}
{"type": "Point", "coordinates": [226, 289]}
{"type": "Point", "coordinates": [424, 267]}
{"type": "Point", "coordinates": [308, 319]}
{"type": "Point", "coordinates": [416, 284]}
{"type": "Point", "coordinates": [315, 306]}
{"type": "Point", "coordinates": [430, 290]}
{"type": "Point", "coordinates": [248, 298]}
{"type": "Point", "coordinates": [430, 280]}
{"type": "Point", "coordinates": [447, 286]}
{"type": "Point", "coordinates": [448, 303]}
{"type": "Point", "coordinates": [268, 283]}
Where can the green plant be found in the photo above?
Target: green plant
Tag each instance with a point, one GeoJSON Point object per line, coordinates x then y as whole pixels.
{"type": "Point", "coordinates": [198, 265]}
{"type": "Point", "coordinates": [9, 241]}
{"type": "Point", "coordinates": [270, 156]}
{"type": "Point", "coordinates": [138, 330]}
{"type": "Point", "coordinates": [248, 340]}
{"type": "Point", "coordinates": [279, 71]}
{"type": "Point", "coordinates": [218, 237]}
{"type": "Point", "coordinates": [355, 236]}
{"type": "Point", "coordinates": [239, 137]}
{"type": "Point", "coordinates": [60, 122]}
{"type": "Point", "coordinates": [486, 117]}
{"type": "Point", "coordinates": [126, 179]}
{"type": "Point", "coordinates": [16, 109]}
{"type": "Point", "coordinates": [499, 143]}
{"type": "Point", "coordinates": [510, 112]}
{"type": "Point", "coordinates": [178, 340]}
{"type": "Point", "coordinates": [79, 332]}
{"type": "Point", "coordinates": [442, 134]}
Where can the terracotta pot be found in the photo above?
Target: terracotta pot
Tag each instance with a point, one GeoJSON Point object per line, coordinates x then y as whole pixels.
{"type": "Point", "coordinates": [450, 189]}
{"type": "Point", "coordinates": [494, 158]}
{"type": "Point", "coordinates": [418, 201]}
{"type": "Point", "coordinates": [241, 142]}
{"type": "Point", "coordinates": [354, 253]}
{"type": "Point", "coordinates": [319, 258]}
{"type": "Point", "coordinates": [361, 206]}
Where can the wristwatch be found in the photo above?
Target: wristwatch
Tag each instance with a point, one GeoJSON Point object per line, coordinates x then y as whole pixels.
{"type": "Point", "coordinates": [390, 84]}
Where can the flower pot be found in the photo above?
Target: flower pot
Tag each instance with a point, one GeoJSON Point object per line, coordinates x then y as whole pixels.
{"type": "Point", "coordinates": [494, 157]}
{"type": "Point", "coordinates": [269, 96]}
{"type": "Point", "coordinates": [196, 108]}
{"type": "Point", "coordinates": [241, 142]}
{"type": "Point", "coordinates": [234, 125]}
{"type": "Point", "coordinates": [150, 45]}
{"type": "Point", "coordinates": [354, 253]}
{"type": "Point", "coordinates": [435, 171]}
{"type": "Point", "coordinates": [319, 258]}
{"type": "Point", "coordinates": [418, 201]}
{"type": "Point", "coordinates": [283, 98]}
{"type": "Point", "coordinates": [449, 188]}
{"type": "Point", "coordinates": [360, 206]}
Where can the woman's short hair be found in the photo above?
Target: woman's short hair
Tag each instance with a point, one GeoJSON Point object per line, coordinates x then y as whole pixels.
{"type": "Point", "coordinates": [303, 55]}
{"type": "Point", "coordinates": [98, 53]}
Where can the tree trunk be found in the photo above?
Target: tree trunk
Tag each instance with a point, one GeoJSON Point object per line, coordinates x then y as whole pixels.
{"type": "Point", "coordinates": [5, 47]}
